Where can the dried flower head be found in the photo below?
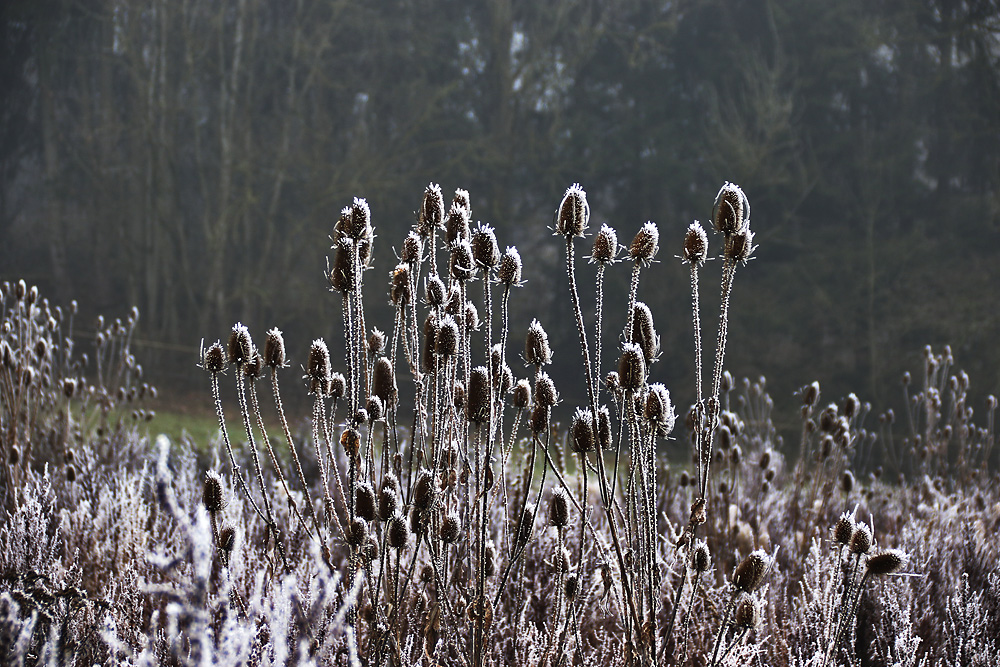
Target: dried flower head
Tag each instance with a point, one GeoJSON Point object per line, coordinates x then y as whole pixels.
{"type": "Point", "coordinates": [559, 507]}
{"type": "Point", "coordinates": [342, 273]}
{"type": "Point", "coordinates": [750, 573]}
{"type": "Point", "coordinates": [844, 528]}
{"type": "Point", "coordinates": [539, 422]}
{"type": "Point", "coordinates": [212, 494]}
{"type": "Point", "coordinates": [451, 528]}
{"type": "Point", "coordinates": [536, 346]}
{"type": "Point", "coordinates": [355, 220]}
{"type": "Point", "coordinates": [695, 244]}
{"type": "Point", "coordinates": [605, 246]}
{"type": "Point", "coordinates": [400, 290]}
{"type": "Point", "coordinates": [582, 431]}
{"type": "Point", "coordinates": [747, 614]}
{"type": "Point", "coordinates": [485, 251]}
{"type": "Point", "coordinates": [447, 337]}
{"type": "Point", "coordinates": [413, 248]}
{"type": "Point", "coordinates": [364, 501]}
{"type": "Point", "coordinates": [522, 394]}
{"type": "Point", "coordinates": [432, 209]}
{"type": "Point", "coordinates": [388, 497]}
{"type": "Point", "coordinates": [643, 333]}
{"type": "Point", "coordinates": [274, 349]}
{"type": "Point", "coordinates": [574, 212]}
{"type": "Point", "coordinates": [434, 291]}
{"type": "Point", "coordinates": [384, 382]}
{"type": "Point", "coordinates": [739, 246]}
{"type": "Point", "coordinates": [886, 561]}
{"type": "Point", "coordinates": [457, 226]}
{"type": "Point", "coordinates": [338, 386]}
{"type": "Point", "coordinates": [398, 532]}
{"type": "Point", "coordinates": [425, 490]}
{"type": "Point", "coordinates": [659, 411]}
{"type": "Point", "coordinates": [357, 532]}
{"type": "Point", "coordinates": [861, 539]}
{"type": "Point", "coordinates": [318, 367]}
{"type": "Point", "coordinates": [461, 262]}
{"type": "Point", "coordinates": [477, 409]}
{"type": "Point", "coordinates": [645, 244]}
{"type": "Point", "coordinates": [632, 367]}
{"type": "Point", "coordinates": [509, 271]}
{"type": "Point", "coordinates": [545, 391]}
{"type": "Point", "coordinates": [213, 361]}
{"type": "Point", "coordinates": [731, 211]}
{"type": "Point", "coordinates": [240, 347]}
{"type": "Point", "coordinates": [375, 409]}
{"type": "Point", "coordinates": [701, 559]}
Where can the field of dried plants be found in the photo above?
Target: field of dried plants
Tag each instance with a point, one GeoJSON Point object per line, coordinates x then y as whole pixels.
{"type": "Point", "coordinates": [432, 511]}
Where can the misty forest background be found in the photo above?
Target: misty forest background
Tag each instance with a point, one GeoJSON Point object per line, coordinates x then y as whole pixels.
{"type": "Point", "coordinates": [191, 156]}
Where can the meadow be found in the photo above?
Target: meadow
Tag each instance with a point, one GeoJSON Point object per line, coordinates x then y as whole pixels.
{"type": "Point", "coordinates": [432, 512]}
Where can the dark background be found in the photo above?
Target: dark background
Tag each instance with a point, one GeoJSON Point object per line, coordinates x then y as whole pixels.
{"type": "Point", "coordinates": [191, 157]}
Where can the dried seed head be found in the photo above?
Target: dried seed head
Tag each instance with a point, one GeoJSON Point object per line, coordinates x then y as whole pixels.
{"type": "Point", "coordinates": [251, 368]}
{"type": "Point", "coordinates": [458, 395]}
{"type": "Point", "coordinates": [527, 524]}
{"type": "Point", "coordinates": [559, 507]}
{"type": "Point", "coordinates": [398, 532]}
{"type": "Point", "coordinates": [470, 317]}
{"type": "Point", "coordinates": [522, 394]}
{"type": "Point", "coordinates": [425, 491]}
{"type": "Point", "coordinates": [643, 333]}
{"type": "Point", "coordinates": [605, 245]}
{"type": "Point", "coordinates": [739, 246]}
{"type": "Point", "coordinates": [810, 394]}
{"type": "Point", "coordinates": [574, 212]}
{"type": "Point", "coordinates": [886, 561]}
{"type": "Point", "coordinates": [747, 612]}
{"type": "Point", "coordinates": [701, 559]}
{"type": "Point", "coordinates": [731, 211]}
{"type": "Point", "coordinates": [355, 220]}
{"type": "Point", "coordinates": [750, 573]}
{"type": "Point", "coordinates": [413, 248]}
{"type": "Point", "coordinates": [545, 391]}
{"type": "Point", "coordinates": [572, 586]}
{"type": "Point", "coordinates": [645, 244]}
{"type": "Point", "coordinates": [489, 566]}
{"type": "Point", "coordinates": [765, 459]}
{"type": "Point", "coordinates": [274, 349]}
{"type": "Point", "coordinates": [582, 431]}
{"type": "Point", "coordinates": [384, 382]}
{"type": "Point", "coordinates": [604, 427]}
{"type": "Point", "coordinates": [318, 367]}
{"type": "Point", "coordinates": [364, 501]}
{"type": "Point", "coordinates": [227, 541]}
{"type": "Point", "coordinates": [613, 382]}
{"type": "Point", "coordinates": [434, 291]}
{"type": "Point", "coordinates": [504, 380]}
{"type": "Point", "coordinates": [736, 455]}
{"type": "Point", "coordinates": [659, 411]}
{"type": "Point", "coordinates": [851, 406]}
{"type": "Point", "coordinates": [509, 271]}
{"type": "Point", "coordinates": [847, 481]}
{"type": "Point", "coordinates": [446, 340]}
{"type": "Point", "coordinates": [388, 497]}
{"type": "Point", "coordinates": [357, 532]}
{"type": "Point", "coordinates": [427, 351]}
{"type": "Point", "coordinates": [457, 226]}
{"type": "Point", "coordinates": [350, 440]}
{"type": "Point", "coordinates": [461, 263]}
{"type": "Point", "coordinates": [432, 209]}
{"type": "Point", "coordinates": [485, 251]}
{"type": "Point", "coordinates": [861, 539]}
{"type": "Point", "coordinates": [375, 409]}
{"type": "Point", "coordinates": [69, 387]}
{"type": "Point", "coordinates": [451, 528]}
{"type": "Point", "coordinates": [632, 367]}
{"type": "Point", "coordinates": [536, 346]}
{"type": "Point", "coordinates": [21, 289]}
{"type": "Point", "coordinates": [828, 418]}
{"type": "Point", "coordinates": [477, 409]}
{"type": "Point", "coordinates": [539, 422]}
{"type": "Point", "coordinates": [844, 528]}
{"type": "Point", "coordinates": [695, 244]}
{"type": "Point", "coordinates": [212, 494]}
{"type": "Point", "coordinates": [376, 342]}
{"type": "Point", "coordinates": [240, 347]}
{"type": "Point", "coordinates": [15, 455]}
{"type": "Point", "coordinates": [70, 469]}
{"type": "Point", "coordinates": [400, 291]}
{"type": "Point", "coordinates": [342, 273]}
{"type": "Point", "coordinates": [338, 386]}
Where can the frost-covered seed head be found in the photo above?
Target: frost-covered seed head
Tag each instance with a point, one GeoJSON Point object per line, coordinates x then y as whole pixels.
{"type": "Point", "coordinates": [240, 346]}
{"type": "Point", "coordinates": [695, 244]}
{"type": "Point", "coordinates": [886, 561]}
{"type": "Point", "coordinates": [645, 244]}
{"type": "Point", "coordinates": [536, 346]}
{"type": "Point", "coordinates": [485, 251]}
{"type": "Point", "coordinates": [274, 349]}
{"type": "Point", "coordinates": [509, 271]}
{"type": "Point", "coordinates": [750, 573]}
{"type": "Point", "coordinates": [632, 367]}
{"type": "Point", "coordinates": [573, 215]}
{"type": "Point", "coordinates": [605, 245]}
{"type": "Point", "coordinates": [559, 508]}
{"type": "Point", "coordinates": [731, 212]}
{"type": "Point", "coordinates": [545, 391]}
{"type": "Point", "coordinates": [582, 431]}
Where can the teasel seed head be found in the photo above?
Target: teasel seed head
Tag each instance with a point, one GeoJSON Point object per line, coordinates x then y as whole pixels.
{"type": "Point", "coordinates": [886, 561]}
{"type": "Point", "coordinates": [470, 317]}
{"type": "Point", "coordinates": [632, 367]}
{"type": "Point", "coordinates": [613, 382]}
{"type": "Point", "coordinates": [851, 406]}
{"type": "Point", "coordinates": [384, 382]}
{"type": "Point", "coordinates": [338, 386]}
{"type": "Point", "coordinates": [750, 573]}
{"type": "Point", "coordinates": [446, 339]}
{"type": "Point", "coordinates": [522, 394]}
{"type": "Point", "coordinates": [490, 567]}
{"type": "Point", "coordinates": [582, 431]}
{"type": "Point", "coordinates": [252, 368]}
{"type": "Point", "coordinates": [318, 367]}
{"type": "Point", "coordinates": [559, 507]}
{"type": "Point", "coordinates": [545, 391]}
{"type": "Point", "coordinates": [509, 271]}
{"type": "Point", "coordinates": [695, 244]}
{"type": "Point", "coordinates": [747, 612]}
{"type": "Point", "coordinates": [212, 494]}
{"type": "Point", "coordinates": [527, 524]}
{"type": "Point", "coordinates": [215, 359]}
{"type": "Point", "coordinates": [434, 291]}
{"type": "Point", "coordinates": [274, 349]}
{"type": "Point", "coordinates": [425, 491]}
{"type": "Point", "coordinates": [604, 427]}
{"type": "Point", "coordinates": [605, 249]}
{"type": "Point", "coordinates": [69, 387]}
{"type": "Point", "coordinates": [731, 211]}
{"type": "Point", "coordinates": [861, 539]}
{"type": "Point", "coordinates": [536, 346]}
{"type": "Point", "coordinates": [342, 273]}
{"type": "Point", "coordinates": [847, 481]}
{"type": "Point", "coordinates": [355, 220]}
{"type": "Point", "coordinates": [461, 263]}
{"type": "Point", "coordinates": [21, 289]}
{"type": "Point", "coordinates": [388, 497]}
{"type": "Point", "coordinates": [227, 542]}
{"type": "Point", "coordinates": [357, 532]}
{"type": "Point", "coordinates": [645, 244]}
{"type": "Point", "coordinates": [398, 532]}
{"type": "Point", "coordinates": [503, 381]}
{"type": "Point", "coordinates": [457, 226]}
{"type": "Point", "coordinates": [573, 215]}
{"type": "Point", "coordinates": [539, 422]}
{"type": "Point", "coordinates": [458, 395]}
{"type": "Point", "coordinates": [659, 411]}
{"type": "Point", "coordinates": [643, 333]}
{"type": "Point", "coordinates": [432, 209]}
{"type": "Point", "coordinates": [350, 440]}
{"type": "Point", "coordinates": [364, 501]}
{"type": "Point", "coordinates": [240, 347]}
{"type": "Point", "coordinates": [477, 409]}
{"type": "Point", "coordinates": [451, 528]}
{"type": "Point", "coordinates": [701, 559]}
{"type": "Point", "coordinates": [429, 343]}
{"type": "Point", "coordinates": [413, 248]}
{"type": "Point", "coordinates": [572, 586]}
{"type": "Point", "coordinates": [376, 342]}
{"type": "Point", "coordinates": [843, 530]}
{"type": "Point", "coordinates": [375, 409]}
{"type": "Point", "coordinates": [739, 246]}
{"type": "Point", "coordinates": [485, 251]}
{"type": "Point", "coordinates": [15, 455]}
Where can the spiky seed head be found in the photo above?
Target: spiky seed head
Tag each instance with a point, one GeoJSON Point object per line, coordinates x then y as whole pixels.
{"type": "Point", "coordinates": [21, 289]}
{"type": "Point", "coordinates": [318, 367]}
{"type": "Point", "coordinates": [574, 212]}
{"type": "Point", "coordinates": [388, 497]}
{"type": "Point", "coordinates": [376, 342]}
{"type": "Point", "coordinates": [613, 382]}
{"type": "Point", "coordinates": [522, 394]}
{"type": "Point", "coordinates": [731, 211]}
{"type": "Point", "coordinates": [765, 459]}
{"type": "Point", "coordinates": [750, 573]}
{"type": "Point", "coordinates": [15, 455]}
{"type": "Point", "coordinates": [212, 494]}
{"type": "Point", "coordinates": [458, 395]}
{"type": "Point", "coordinates": [851, 406]}
{"type": "Point", "coordinates": [559, 507]}
{"type": "Point", "coordinates": [810, 394]}
{"type": "Point", "coordinates": [69, 387]}
{"type": "Point", "coordinates": [253, 367]}
{"type": "Point", "coordinates": [504, 380]}
{"type": "Point", "coordinates": [739, 246]}
{"type": "Point", "coordinates": [604, 427]}
{"type": "Point", "coordinates": [485, 251]}
{"type": "Point", "coordinates": [400, 290]}
{"type": "Point", "coordinates": [227, 541]}
{"type": "Point", "coordinates": [432, 209]}
{"type": "Point", "coordinates": [695, 244]}
{"type": "Point", "coordinates": [413, 248]}
{"type": "Point", "coordinates": [338, 386]}
{"type": "Point", "coordinates": [539, 422]}
{"type": "Point", "coordinates": [736, 455]}
{"type": "Point", "coordinates": [509, 271]}
{"type": "Point", "coordinates": [355, 220]}
{"type": "Point", "coordinates": [643, 333]}
{"type": "Point", "coordinates": [659, 411]}
{"type": "Point", "coordinates": [847, 481]}
{"type": "Point", "coordinates": [32, 295]}
{"type": "Point", "coordinates": [632, 367]}
{"type": "Point", "coordinates": [605, 245]}
{"type": "Point", "coordinates": [461, 262]}
{"type": "Point", "coordinates": [70, 473]}
{"type": "Point", "coordinates": [357, 532]}
{"type": "Point", "coordinates": [861, 539]}
{"type": "Point", "coordinates": [430, 333]}
{"type": "Point", "coordinates": [470, 318]}
{"type": "Point", "coordinates": [457, 226]}
{"type": "Point", "coordinates": [425, 491]}
{"type": "Point", "coordinates": [886, 561]}
{"type": "Point", "coordinates": [747, 612]}
{"type": "Point", "coordinates": [274, 349]}
{"type": "Point", "coordinates": [364, 501]}
{"type": "Point", "coordinates": [375, 409]}
{"type": "Point", "coordinates": [342, 273]}
{"type": "Point", "coordinates": [490, 564]}
{"type": "Point", "coordinates": [545, 391]}
{"type": "Point", "coordinates": [384, 382]}
{"type": "Point", "coordinates": [434, 291]}
{"type": "Point", "coordinates": [701, 559]}
{"type": "Point", "coordinates": [843, 530]}
{"type": "Point", "coordinates": [240, 346]}
{"type": "Point", "coordinates": [398, 532]}
{"type": "Point", "coordinates": [582, 431]}
{"type": "Point", "coordinates": [527, 523]}
{"type": "Point", "coordinates": [828, 418]}
{"type": "Point", "coordinates": [451, 528]}
{"type": "Point", "coordinates": [350, 440]}
{"type": "Point", "coordinates": [446, 339]}
{"type": "Point", "coordinates": [685, 479]}
{"type": "Point", "coordinates": [477, 409]}
{"type": "Point", "coordinates": [536, 346]}
{"type": "Point", "coordinates": [645, 244]}
{"type": "Point", "coordinates": [572, 586]}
